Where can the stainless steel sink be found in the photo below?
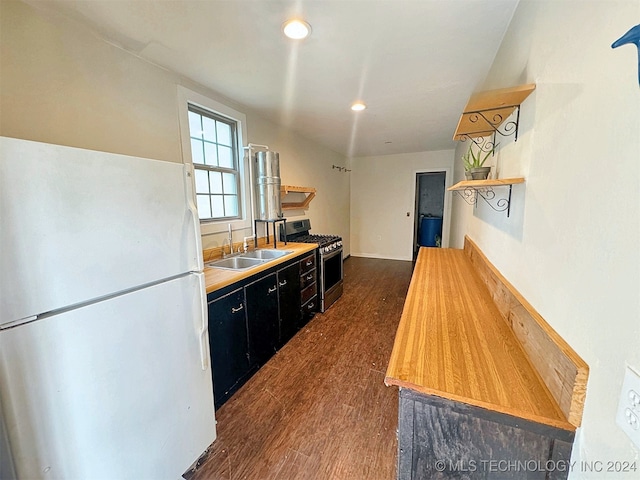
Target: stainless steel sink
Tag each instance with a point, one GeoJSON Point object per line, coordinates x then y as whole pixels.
{"type": "Point", "coordinates": [248, 260]}
{"type": "Point", "coordinates": [266, 253]}
{"type": "Point", "coordinates": [236, 263]}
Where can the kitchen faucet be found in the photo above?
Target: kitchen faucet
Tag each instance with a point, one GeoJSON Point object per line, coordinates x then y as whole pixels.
{"type": "Point", "coordinates": [244, 248]}
{"type": "Point", "coordinates": [230, 243]}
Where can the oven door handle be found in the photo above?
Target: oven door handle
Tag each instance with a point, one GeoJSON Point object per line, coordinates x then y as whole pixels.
{"type": "Point", "coordinates": [325, 256]}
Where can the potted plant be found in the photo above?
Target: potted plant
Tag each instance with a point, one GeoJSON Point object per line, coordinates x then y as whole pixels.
{"type": "Point", "coordinates": [474, 168]}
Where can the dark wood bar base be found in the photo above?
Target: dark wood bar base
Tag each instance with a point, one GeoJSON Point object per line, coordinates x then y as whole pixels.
{"type": "Point", "coordinates": [442, 439]}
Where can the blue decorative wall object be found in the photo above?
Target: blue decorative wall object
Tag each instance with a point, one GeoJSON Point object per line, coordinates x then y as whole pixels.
{"type": "Point", "coordinates": [632, 36]}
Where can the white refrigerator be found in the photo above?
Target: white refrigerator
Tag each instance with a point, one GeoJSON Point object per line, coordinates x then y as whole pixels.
{"type": "Point", "coordinates": [104, 355]}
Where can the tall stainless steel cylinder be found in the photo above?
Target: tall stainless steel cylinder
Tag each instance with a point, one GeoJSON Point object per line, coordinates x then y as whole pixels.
{"type": "Point", "coordinates": [266, 168]}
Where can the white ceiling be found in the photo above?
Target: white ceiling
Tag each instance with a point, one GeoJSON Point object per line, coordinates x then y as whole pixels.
{"type": "Point", "coordinates": [413, 62]}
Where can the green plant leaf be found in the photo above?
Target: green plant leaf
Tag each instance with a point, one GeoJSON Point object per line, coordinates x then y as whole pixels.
{"type": "Point", "coordinates": [473, 160]}
{"type": "Point", "coordinates": [466, 160]}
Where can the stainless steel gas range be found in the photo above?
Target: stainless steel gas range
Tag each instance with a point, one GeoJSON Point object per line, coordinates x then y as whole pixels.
{"type": "Point", "coordinates": [329, 256]}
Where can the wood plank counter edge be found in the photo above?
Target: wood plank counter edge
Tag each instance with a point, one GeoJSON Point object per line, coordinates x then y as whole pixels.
{"type": "Point", "coordinates": [562, 370]}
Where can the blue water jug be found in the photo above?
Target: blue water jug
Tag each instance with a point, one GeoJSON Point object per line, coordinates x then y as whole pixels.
{"type": "Point", "coordinates": [430, 231]}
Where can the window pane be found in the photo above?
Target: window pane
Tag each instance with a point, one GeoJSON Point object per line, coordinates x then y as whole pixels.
{"type": "Point", "coordinates": [216, 182]}
{"type": "Point", "coordinates": [195, 127]}
{"type": "Point", "coordinates": [229, 183]}
{"type": "Point", "coordinates": [197, 154]}
{"type": "Point", "coordinates": [218, 208]}
{"type": "Point", "coordinates": [210, 154]}
{"type": "Point", "coordinates": [225, 157]}
{"type": "Point", "coordinates": [202, 181]}
{"type": "Point", "coordinates": [204, 206]}
{"type": "Point", "coordinates": [224, 134]}
{"type": "Point", "coordinates": [230, 205]}
{"type": "Point", "coordinates": [209, 127]}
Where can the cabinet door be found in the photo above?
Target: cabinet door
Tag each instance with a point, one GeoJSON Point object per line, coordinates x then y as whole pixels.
{"type": "Point", "coordinates": [228, 340]}
{"type": "Point", "coordinates": [289, 301]}
{"type": "Point", "coordinates": [262, 319]}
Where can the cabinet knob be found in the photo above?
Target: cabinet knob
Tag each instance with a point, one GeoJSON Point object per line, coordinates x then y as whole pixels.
{"type": "Point", "coordinates": [283, 283]}
{"type": "Point", "coordinates": [309, 277]}
{"type": "Point", "coordinates": [272, 289]}
{"type": "Point", "coordinates": [236, 310]}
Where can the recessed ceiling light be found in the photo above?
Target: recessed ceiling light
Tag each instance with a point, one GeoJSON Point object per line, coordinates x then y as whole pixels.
{"type": "Point", "coordinates": [358, 107]}
{"type": "Point", "coordinates": [296, 29]}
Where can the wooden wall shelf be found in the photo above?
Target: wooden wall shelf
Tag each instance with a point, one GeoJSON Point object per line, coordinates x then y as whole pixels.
{"type": "Point", "coordinates": [487, 112]}
{"type": "Point", "coordinates": [470, 190]}
{"type": "Point", "coordinates": [299, 205]}
{"type": "Point", "coordinates": [476, 184]}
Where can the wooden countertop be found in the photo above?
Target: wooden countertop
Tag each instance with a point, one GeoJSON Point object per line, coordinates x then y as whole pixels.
{"type": "Point", "coordinates": [216, 278]}
{"type": "Point", "coordinates": [453, 343]}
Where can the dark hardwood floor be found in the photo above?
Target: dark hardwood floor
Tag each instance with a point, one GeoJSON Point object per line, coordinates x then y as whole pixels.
{"type": "Point", "coordinates": [319, 408]}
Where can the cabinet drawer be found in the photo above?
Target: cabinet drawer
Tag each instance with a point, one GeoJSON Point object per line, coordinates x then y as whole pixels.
{"type": "Point", "coordinates": [308, 278]}
{"type": "Point", "coordinates": [307, 293]}
{"type": "Point", "coordinates": [308, 263]}
{"type": "Point", "coordinates": [311, 306]}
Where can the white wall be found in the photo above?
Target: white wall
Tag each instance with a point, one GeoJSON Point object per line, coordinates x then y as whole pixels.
{"type": "Point", "coordinates": [60, 83]}
{"type": "Point", "coordinates": [571, 243]}
{"type": "Point", "coordinates": [382, 192]}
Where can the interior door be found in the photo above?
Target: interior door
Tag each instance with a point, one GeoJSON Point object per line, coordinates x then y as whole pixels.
{"type": "Point", "coordinates": [429, 204]}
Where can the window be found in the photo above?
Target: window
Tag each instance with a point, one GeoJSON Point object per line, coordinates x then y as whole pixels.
{"type": "Point", "coordinates": [218, 133]}
{"type": "Point", "coordinates": [214, 153]}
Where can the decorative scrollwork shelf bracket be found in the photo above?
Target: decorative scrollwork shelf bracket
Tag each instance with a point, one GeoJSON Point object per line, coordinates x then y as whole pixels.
{"type": "Point", "coordinates": [483, 143]}
{"type": "Point", "coordinates": [471, 194]}
{"type": "Point", "coordinates": [495, 120]}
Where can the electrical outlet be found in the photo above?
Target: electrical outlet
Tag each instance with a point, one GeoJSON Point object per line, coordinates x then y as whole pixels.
{"type": "Point", "coordinates": [628, 416]}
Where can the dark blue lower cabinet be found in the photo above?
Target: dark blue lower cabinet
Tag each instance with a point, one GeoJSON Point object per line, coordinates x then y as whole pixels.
{"type": "Point", "coordinates": [262, 319]}
{"type": "Point", "coordinates": [229, 345]}
{"type": "Point", "coordinates": [289, 302]}
{"type": "Point", "coordinates": [250, 320]}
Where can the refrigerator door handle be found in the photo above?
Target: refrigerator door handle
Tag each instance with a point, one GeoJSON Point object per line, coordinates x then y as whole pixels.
{"type": "Point", "coordinates": [204, 327]}
{"type": "Point", "coordinates": [193, 210]}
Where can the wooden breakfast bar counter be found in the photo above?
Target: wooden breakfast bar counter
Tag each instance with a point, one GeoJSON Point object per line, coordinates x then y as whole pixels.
{"type": "Point", "coordinates": [478, 384]}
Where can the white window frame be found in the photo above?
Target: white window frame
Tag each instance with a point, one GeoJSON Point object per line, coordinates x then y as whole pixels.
{"type": "Point", "coordinates": [186, 97]}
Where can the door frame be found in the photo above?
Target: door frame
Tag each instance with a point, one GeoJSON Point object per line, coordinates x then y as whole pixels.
{"type": "Point", "coordinates": [446, 213]}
